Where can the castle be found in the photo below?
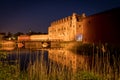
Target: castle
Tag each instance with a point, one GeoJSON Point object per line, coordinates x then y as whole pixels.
{"type": "Point", "coordinates": [101, 27]}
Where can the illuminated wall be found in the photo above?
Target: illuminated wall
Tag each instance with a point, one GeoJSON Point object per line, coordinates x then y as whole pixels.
{"type": "Point", "coordinates": [23, 38]}
{"type": "Point", "coordinates": [66, 29]}
{"type": "Point", "coordinates": [40, 37]}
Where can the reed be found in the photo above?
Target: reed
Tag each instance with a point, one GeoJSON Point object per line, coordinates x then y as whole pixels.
{"type": "Point", "coordinates": [105, 59]}
{"type": "Point", "coordinates": [54, 71]}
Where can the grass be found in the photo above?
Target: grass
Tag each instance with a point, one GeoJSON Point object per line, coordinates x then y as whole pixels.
{"type": "Point", "coordinates": [7, 71]}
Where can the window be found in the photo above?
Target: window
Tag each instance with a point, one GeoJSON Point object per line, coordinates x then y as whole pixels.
{"type": "Point", "coordinates": [77, 19]}
{"type": "Point", "coordinates": [79, 26]}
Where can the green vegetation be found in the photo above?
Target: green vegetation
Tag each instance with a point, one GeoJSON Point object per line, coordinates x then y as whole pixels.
{"type": "Point", "coordinates": [7, 72]}
{"type": "Point", "coordinates": [84, 75]}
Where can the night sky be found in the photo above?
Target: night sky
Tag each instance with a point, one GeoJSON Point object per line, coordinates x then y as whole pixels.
{"type": "Point", "coordinates": [23, 15]}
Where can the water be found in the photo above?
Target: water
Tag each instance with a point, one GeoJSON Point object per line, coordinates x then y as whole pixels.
{"type": "Point", "coordinates": [24, 57]}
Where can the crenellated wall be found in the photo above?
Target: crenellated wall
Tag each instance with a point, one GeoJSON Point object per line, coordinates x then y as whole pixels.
{"type": "Point", "coordinates": [61, 21]}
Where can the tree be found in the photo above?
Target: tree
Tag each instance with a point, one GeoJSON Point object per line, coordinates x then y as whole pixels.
{"type": "Point", "coordinates": [18, 34]}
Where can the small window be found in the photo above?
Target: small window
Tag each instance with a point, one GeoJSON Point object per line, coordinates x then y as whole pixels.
{"type": "Point", "coordinates": [79, 26]}
{"type": "Point", "coordinates": [64, 28]}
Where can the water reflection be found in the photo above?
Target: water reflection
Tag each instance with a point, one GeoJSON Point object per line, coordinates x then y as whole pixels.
{"type": "Point", "coordinates": [8, 48]}
{"type": "Point", "coordinates": [69, 59]}
{"type": "Point", "coordinates": [7, 45]}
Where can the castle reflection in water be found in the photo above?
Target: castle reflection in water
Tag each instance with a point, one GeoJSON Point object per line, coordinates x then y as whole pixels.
{"type": "Point", "coordinates": [69, 59]}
